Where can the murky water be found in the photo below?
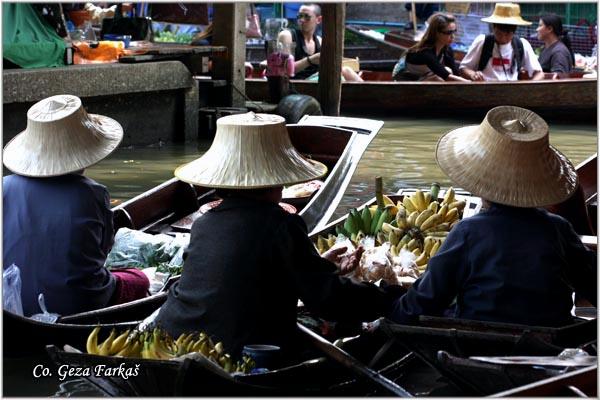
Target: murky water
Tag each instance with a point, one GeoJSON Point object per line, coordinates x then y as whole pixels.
{"type": "Point", "coordinates": [402, 154]}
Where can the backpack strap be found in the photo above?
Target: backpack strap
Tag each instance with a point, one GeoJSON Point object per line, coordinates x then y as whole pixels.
{"type": "Point", "coordinates": [518, 52]}
{"type": "Point", "coordinates": [486, 52]}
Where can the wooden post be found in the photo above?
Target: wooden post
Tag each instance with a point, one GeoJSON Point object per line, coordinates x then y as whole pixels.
{"type": "Point", "coordinates": [229, 20]}
{"type": "Point", "coordinates": [332, 50]}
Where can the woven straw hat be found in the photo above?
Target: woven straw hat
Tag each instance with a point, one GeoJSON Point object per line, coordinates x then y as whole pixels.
{"type": "Point", "coordinates": [61, 137]}
{"type": "Point", "coordinates": [507, 159]}
{"type": "Point", "coordinates": [250, 151]}
{"type": "Point", "coordinates": [507, 14]}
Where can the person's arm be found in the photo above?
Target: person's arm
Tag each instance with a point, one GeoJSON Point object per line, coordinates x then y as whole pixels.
{"type": "Point", "coordinates": [434, 291]}
{"type": "Point", "coordinates": [468, 65]}
{"type": "Point", "coordinates": [531, 63]}
{"type": "Point", "coordinates": [428, 58]}
{"type": "Point", "coordinates": [583, 271]}
{"type": "Point", "coordinates": [318, 286]}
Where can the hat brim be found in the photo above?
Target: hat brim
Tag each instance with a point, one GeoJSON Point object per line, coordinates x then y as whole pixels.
{"type": "Point", "coordinates": [201, 172]}
{"type": "Point", "coordinates": [518, 181]}
{"type": "Point", "coordinates": [506, 20]}
{"type": "Point", "coordinates": [59, 158]}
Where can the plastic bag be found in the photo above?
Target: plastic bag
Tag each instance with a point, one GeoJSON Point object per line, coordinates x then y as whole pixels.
{"type": "Point", "coordinates": [135, 249]}
{"type": "Point", "coordinates": [11, 284]}
{"type": "Point", "coordinates": [253, 23]}
{"type": "Point", "coordinates": [45, 316]}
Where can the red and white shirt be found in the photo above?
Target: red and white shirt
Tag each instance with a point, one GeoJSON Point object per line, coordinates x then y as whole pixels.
{"type": "Point", "coordinates": [498, 67]}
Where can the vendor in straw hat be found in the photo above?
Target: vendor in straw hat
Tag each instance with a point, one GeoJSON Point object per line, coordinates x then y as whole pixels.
{"type": "Point", "coordinates": [58, 225]}
{"type": "Point", "coordinates": [501, 55]}
{"type": "Point", "coordinates": [249, 260]}
{"type": "Point", "coordinates": [514, 262]}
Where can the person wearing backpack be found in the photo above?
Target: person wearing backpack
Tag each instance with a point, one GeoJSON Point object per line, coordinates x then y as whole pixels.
{"type": "Point", "coordinates": [501, 56]}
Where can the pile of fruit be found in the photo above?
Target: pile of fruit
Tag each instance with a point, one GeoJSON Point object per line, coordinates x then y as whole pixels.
{"type": "Point", "coordinates": [418, 224]}
{"type": "Point", "coordinates": [159, 345]}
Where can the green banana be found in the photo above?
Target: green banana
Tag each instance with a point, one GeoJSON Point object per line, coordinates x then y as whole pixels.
{"type": "Point", "coordinates": [375, 221]}
{"type": "Point", "coordinates": [366, 220]}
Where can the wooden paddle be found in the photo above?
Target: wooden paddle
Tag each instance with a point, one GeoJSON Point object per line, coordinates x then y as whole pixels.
{"type": "Point", "coordinates": [340, 356]}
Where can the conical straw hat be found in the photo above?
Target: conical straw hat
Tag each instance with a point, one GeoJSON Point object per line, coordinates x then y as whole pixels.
{"type": "Point", "coordinates": [508, 159]}
{"type": "Point", "coordinates": [61, 137]}
{"type": "Point", "coordinates": [250, 151]}
{"type": "Point", "coordinates": [507, 14]}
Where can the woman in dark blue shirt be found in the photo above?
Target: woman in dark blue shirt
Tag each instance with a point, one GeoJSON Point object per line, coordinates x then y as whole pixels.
{"type": "Point", "coordinates": [513, 262]}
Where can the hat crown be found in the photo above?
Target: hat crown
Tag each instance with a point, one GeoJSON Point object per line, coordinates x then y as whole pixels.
{"type": "Point", "coordinates": [517, 124]}
{"type": "Point", "coordinates": [53, 108]}
{"type": "Point", "coordinates": [507, 10]}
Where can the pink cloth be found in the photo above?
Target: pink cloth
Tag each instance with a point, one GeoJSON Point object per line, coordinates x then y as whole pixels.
{"type": "Point", "coordinates": [132, 284]}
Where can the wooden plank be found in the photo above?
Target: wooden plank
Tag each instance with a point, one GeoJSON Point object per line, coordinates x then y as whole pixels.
{"type": "Point", "coordinates": [230, 19]}
{"type": "Point", "coordinates": [332, 51]}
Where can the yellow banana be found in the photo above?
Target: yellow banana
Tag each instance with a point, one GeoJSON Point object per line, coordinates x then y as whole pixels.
{"type": "Point", "coordinates": [387, 201]}
{"type": "Point", "coordinates": [431, 221]}
{"type": "Point", "coordinates": [104, 348]}
{"type": "Point", "coordinates": [428, 245]}
{"type": "Point", "coordinates": [404, 241]}
{"type": "Point", "coordinates": [119, 343]}
{"type": "Point", "coordinates": [92, 341]}
{"type": "Point", "coordinates": [443, 210]}
{"type": "Point", "coordinates": [331, 240]}
{"type": "Point", "coordinates": [423, 217]}
{"type": "Point", "coordinates": [417, 251]}
{"type": "Point", "coordinates": [435, 248]}
{"type": "Point", "coordinates": [421, 259]}
{"type": "Point", "coordinates": [434, 206]}
{"type": "Point", "coordinates": [458, 204]}
{"type": "Point", "coordinates": [449, 196]}
{"type": "Point", "coordinates": [427, 199]}
{"type": "Point", "coordinates": [408, 204]}
{"type": "Point", "coordinates": [401, 218]}
{"type": "Point", "coordinates": [412, 218]}
{"type": "Point", "coordinates": [412, 244]}
{"type": "Point", "coordinates": [386, 228]}
{"type": "Point", "coordinates": [451, 215]}
{"type": "Point", "coordinates": [419, 200]}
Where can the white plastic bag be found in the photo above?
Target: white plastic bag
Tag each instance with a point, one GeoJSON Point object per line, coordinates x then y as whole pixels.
{"type": "Point", "coordinates": [11, 290]}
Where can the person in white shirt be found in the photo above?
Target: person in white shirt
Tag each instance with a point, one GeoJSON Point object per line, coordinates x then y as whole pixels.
{"type": "Point", "coordinates": [501, 56]}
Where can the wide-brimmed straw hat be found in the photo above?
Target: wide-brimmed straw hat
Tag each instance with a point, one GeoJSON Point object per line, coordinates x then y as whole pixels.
{"type": "Point", "coordinates": [250, 151]}
{"type": "Point", "coordinates": [508, 159]}
{"type": "Point", "coordinates": [506, 14]}
{"type": "Point", "coordinates": [61, 137]}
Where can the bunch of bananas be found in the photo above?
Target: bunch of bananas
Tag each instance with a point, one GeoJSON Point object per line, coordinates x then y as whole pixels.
{"type": "Point", "coordinates": [422, 224]}
{"type": "Point", "coordinates": [367, 222]}
{"type": "Point", "coordinates": [159, 345]}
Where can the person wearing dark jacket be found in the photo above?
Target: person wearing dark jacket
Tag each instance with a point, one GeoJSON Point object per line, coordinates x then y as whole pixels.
{"type": "Point", "coordinates": [249, 261]}
{"type": "Point", "coordinates": [432, 58]}
{"type": "Point", "coordinates": [514, 262]}
{"type": "Point", "coordinates": [57, 224]}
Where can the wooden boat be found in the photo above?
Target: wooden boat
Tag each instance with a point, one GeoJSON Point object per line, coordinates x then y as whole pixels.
{"type": "Point", "coordinates": [337, 142]}
{"type": "Point", "coordinates": [199, 377]}
{"type": "Point", "coordinates": [481, 378]}
{"type": "Point", "coordinates": [568, 99]}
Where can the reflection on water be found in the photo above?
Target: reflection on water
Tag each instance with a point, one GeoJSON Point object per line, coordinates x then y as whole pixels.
{"type": "Point", "coordinates": [402, 153]}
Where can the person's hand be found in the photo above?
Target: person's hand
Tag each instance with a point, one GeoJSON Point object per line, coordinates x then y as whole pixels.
{"type": "Point", "coordinates": [476, 76]}
{"type": "Point", "coordinates": [345, 263]}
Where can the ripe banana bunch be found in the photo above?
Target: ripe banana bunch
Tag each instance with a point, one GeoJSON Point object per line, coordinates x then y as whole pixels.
{"type": "Point", "coordinates": [324, 244]}
{"type": "Point", "coordinates": [422, 223]}
{"type": "Point", "coordinates": [159, 345]}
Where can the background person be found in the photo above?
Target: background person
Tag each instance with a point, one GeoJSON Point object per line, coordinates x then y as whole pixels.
{"type": "Point", "coordinates": [249, 261]}
{"type": "Point", "coordinates": [57, 224]}
{"type": "Point", "coordinates": [432, 59]}
{"type": "Point", "coordinates": [307, 53]}
{"type": "Point", "coordinates": [501, 56]}
{"type": "Point", "coordinates": [557, 55]}
{"type": "Point", "coordinates": [513, 262]}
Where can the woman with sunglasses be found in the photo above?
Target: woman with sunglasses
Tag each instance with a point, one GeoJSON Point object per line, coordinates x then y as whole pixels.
{"type": "Point", "coordinates": [557, 55]}
{"type": "Point", "coordinates": [431, 59]}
